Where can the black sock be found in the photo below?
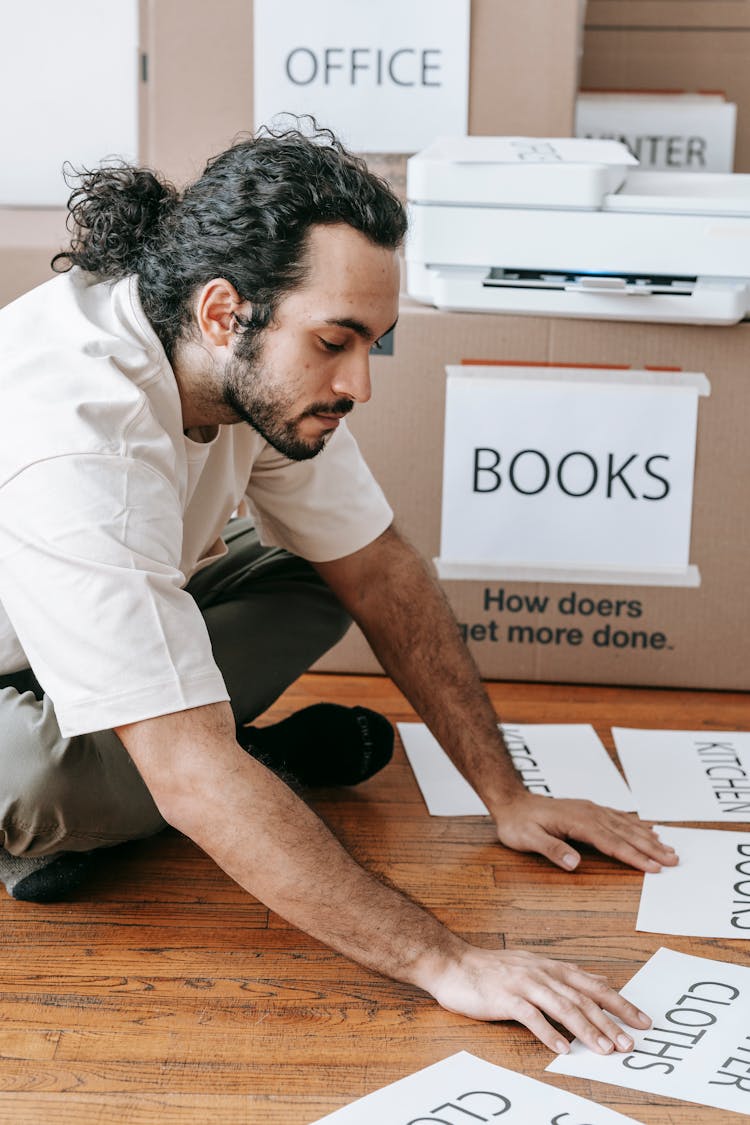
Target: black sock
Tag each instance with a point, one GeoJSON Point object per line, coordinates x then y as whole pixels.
{"type": "Point", "coordinates": [325, 744]}
{"type": "Point", "coordinates": [46, 878]}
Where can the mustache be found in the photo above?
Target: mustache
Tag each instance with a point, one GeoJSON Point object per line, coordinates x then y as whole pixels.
{"type": "Point", "coordinates": [340, 408]}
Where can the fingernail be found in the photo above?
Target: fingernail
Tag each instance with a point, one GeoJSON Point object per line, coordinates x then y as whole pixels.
{"type": "Point", "coordinates": [644, 1018]}
{"type": "Point", "coordinates": [562, 1047]}
{"type": "Point", "coordinates": [570, 861]}
{"type": "Point", "coordinates": [606, 1044]}
{"type": "Point", "coordinates": [625, 1042]}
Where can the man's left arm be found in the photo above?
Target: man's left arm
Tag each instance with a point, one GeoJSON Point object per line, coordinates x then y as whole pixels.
{"type": "Point", "coordinates": [401, 609]}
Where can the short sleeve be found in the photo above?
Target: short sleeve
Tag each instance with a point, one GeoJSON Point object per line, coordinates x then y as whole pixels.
{"type": "Point", "coordinates": [90, 580]}
{"type": "Point", "coordinates": [320, 509]}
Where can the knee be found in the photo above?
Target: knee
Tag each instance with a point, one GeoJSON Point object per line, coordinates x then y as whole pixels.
{"type": "Point", "coordinates": [61, 793]}
{"type": "Point", "coordinates": [34, 785]}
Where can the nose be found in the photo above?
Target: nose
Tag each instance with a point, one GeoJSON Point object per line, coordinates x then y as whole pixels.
{"type": "Point", "coordinates": [352, 379]}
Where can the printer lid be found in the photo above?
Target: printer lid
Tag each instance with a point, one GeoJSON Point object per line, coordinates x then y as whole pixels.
{"type": "Point", "coordinates": [682, 193]}
{"type": "Point", "coordinates": [518, 171]}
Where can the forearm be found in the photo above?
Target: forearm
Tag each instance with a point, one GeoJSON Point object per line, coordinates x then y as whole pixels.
{"type": "Point", "coordinates": [268, 840]}
{"type": "Point", "coordinates": [412, 630]}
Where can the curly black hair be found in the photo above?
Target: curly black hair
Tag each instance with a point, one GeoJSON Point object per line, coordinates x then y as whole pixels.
{"type": "Point", "coordinates": [245, 219]}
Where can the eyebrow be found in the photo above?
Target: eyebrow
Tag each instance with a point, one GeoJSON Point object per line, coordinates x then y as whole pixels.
{"type": "Point", "coordinates": [361, 329]}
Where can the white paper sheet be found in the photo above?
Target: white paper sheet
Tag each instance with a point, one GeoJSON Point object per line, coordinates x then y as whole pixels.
{"type": "Point", "coordinates": [554, 760]}
{"type": "Point", "coordinates": [384, 75]}
{"type": "Point", "coordinates": [463, 1089]}
{"type": "Point", "coordinates": [687, 774]}
{"type": "Point", "coordinates": [69, 82]}
{"type": "Point", "coordinates": [708, 895]}
{"type": "Point", "coordinates": [697, 1050]}
{"type": "Point", "coordinates": [539, 469]}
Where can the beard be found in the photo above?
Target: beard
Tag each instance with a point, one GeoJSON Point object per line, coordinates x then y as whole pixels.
{"type": "Point", "coordinates": [249, 392]}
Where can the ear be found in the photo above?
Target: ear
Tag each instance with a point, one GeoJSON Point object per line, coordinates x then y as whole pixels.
{"type": "Point", "coordinates": [216, 306]}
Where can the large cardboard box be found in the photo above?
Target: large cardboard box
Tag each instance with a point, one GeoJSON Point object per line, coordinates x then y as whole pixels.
{"type": "Point", "coordinates": [660, 635]}
{"type": "Point", "coordinates": [672, 45]}
{"type": "Point", "coordinates": [197, 92]}
{"type": "Point", "coordinates": [196, 97]}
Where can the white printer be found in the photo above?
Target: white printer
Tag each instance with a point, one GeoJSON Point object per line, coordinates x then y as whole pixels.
{"type": "Point", "coordinates": [567, 227]}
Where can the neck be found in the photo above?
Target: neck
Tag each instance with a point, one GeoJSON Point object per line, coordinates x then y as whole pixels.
{"type": "Point", "coordinates": [198, 379]}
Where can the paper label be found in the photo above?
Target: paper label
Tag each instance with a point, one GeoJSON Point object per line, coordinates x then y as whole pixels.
{"type": "Point", "coordinates": [687, 775]}
{"type": "Point", "coordinates": [463, 1089]}
{"type": "Point", "coordinates": [555, 470]}
{"type": "Point", "coordinates": [384, 75]}
{"type": "Point", "coordinates": [565, 760]}
{"type": "Point", "coordinates": [70, 73]}
{"type": "Point", "coordinates": [708, 894]}
{"type": "Point", "coordinates": [698, 1048]}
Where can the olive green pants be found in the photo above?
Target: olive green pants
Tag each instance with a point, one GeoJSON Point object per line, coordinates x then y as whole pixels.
{"type": "Point", "coordinates": [269, 617]}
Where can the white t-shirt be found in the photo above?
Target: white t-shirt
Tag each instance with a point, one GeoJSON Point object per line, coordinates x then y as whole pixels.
{"type": "Point", "coordinates": [107, 508]}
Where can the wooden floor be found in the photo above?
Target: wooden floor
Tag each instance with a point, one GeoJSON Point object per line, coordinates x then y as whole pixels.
{"type": "Point", "coordinates": [165, 994]}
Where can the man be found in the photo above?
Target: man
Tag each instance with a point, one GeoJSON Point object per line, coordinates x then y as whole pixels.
{"type": "Point", "coordinates": [206, 348]}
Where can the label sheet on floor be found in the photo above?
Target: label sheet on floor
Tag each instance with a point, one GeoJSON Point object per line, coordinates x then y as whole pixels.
{"type": "Point", "coordinates": [698, 1049]}
{"type": "Point", "coordinates": [687, 774]}
{"type": "Point", "coordinates": [708, 894]}
{"type": "Point", "coordinates": [555, 760]}
{"type": "Point", "coordinates": [462, 1089]}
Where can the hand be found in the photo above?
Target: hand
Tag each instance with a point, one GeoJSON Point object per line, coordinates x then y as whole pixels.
{"type": "Point", "coordinates": [530, 823]}
{"type": "Point", "coordinates": [487, 984]}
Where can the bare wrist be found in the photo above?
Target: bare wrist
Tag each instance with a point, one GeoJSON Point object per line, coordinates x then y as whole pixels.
{"type": "Point", "coordinates": [431, 969]}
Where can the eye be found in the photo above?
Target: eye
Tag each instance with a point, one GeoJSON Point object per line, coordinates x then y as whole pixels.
{"type": "Point", "coordinates": [330, 346]}
{"type": "Point", "coordinates": [378, 346]}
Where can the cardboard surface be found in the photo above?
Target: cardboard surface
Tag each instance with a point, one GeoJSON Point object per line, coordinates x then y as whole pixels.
{"type": "Point", "coordinates": [682, 637]}
{"type": "Point", "coordinates": [723, 14]}
{"type": "Point", "coordinates": [662, 45]}
{"type": "Point", "coordinates": [29, 239]}
{"type": "Point", "coordinates": [198, 93]}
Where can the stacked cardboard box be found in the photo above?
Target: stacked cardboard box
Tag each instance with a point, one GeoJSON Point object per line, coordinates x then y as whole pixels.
{"type": "Point", "coordinates": [631, 634]}
{"type": "Point", "coordinates": [523, 67]}
{"type": "Point", "coordinates": [660, 45]}
{"type": "Point", "coordinates": [196, 96]}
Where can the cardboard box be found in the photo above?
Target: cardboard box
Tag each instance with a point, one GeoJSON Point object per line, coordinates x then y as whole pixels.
{"type": "Point", "coordinates": [662, 45]}
{"type": "Point", "coordinates": [29, 239]}
{"type": "Point", "coordinates": [665, 132]}
{"type": "Point", "coordinates": [666, 636]}
{"type": "Point", "coordinates": [198, 89]}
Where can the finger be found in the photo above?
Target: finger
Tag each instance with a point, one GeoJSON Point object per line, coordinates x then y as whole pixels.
{"type": "Point", "coordinates": [578, 1014]}
{"type": "Point", "coordinates": [609, 1034]}
{"type": "Point", "coordinates": [525, 1013]}
{"type": "Point", "coordinates": [645, 838]}
{"type": "Point", "coordinates": [557, 851]}
{"type": "Point", "coordinates": [618, 840]}
{"type": "Point", "coordinates": [648, 842]}
{"type": "Point", "coordinates": [605, 997]}
{"type": "Point", "coordinates": [628, 853]}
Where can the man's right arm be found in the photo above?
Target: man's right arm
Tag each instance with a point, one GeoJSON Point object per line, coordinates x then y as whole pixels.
{"type": "Point", "coordinates": [273, 845]}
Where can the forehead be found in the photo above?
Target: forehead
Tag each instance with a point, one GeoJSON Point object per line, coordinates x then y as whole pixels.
{"type": "Point", "coordinates": [348, 277]}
